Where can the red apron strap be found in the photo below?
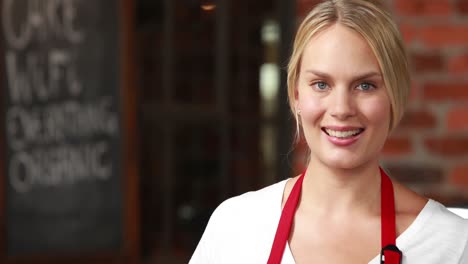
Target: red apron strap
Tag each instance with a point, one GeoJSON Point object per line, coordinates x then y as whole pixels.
{"type": "Point", "coordinates": [285, 223]}
{"type": "Point", "coordinates": [390, 254]}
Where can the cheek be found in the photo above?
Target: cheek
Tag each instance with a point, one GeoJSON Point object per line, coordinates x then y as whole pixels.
{"type": "Point", "coordinates": [310, 107]}
{"type": "Point", "coordinates": [377, 110]}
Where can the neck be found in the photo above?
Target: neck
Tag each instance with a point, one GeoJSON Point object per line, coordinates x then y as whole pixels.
{"type": "Point", "coordinates": [334, 192]}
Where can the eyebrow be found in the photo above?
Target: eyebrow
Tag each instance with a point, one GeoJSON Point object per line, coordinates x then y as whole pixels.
{"type": "Point", "coordinates": [359, 77]}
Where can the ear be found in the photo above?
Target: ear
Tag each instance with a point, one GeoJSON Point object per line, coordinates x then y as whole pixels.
{"type": "Point", "coordinates": [296, 99]}
{"type": "Point", "coordinates": [296, 93]}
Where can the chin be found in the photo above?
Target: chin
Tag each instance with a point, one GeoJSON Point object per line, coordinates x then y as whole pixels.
{"type": "Point", "coordinates": [343, 163]}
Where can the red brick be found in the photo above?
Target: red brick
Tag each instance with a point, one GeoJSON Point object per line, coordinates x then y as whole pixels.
{"type": "Point", "coordinates": [415, 91]}
{"type": "Point", "coordinates": [424, 62]}
{"type": "Point", "coordinates": [458, 65]}
{"type": "Point", "coordinates": [452, 146]}
{"type": "Point", "coordinates": [462, 6]}
{"type": "Point", "coordinates": [459, 176]}
{"type": "Point", "coordinates": [409, 32]}
{"type": "Point", "coordinates": [304, 6]}
{"type": "Point", "coordinates": [457, 119]}
{"type": "Point", "coordinates": [415, 173]}
{"type": "Point", "coordinates": [444, 35]}
{"type": "Point", "coordinates": [397, 146]}
{"type": "Point", "coordinates": [446, 91]}
{"type": "Point", "coordinates": [418, 119]}
{"type": "Point", "coordinates": [423, 7]}
{"type": "Point", "coordinates": [445, 197]}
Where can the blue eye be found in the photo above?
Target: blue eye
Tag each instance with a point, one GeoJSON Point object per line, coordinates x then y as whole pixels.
{"type": "Point", "coordinates": [321, 85]}
{"type": "Point", "coordinates": [366, 86]}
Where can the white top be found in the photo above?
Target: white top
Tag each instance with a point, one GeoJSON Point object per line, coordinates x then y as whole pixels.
{"type": "Point", "coordinates": [242, 229]}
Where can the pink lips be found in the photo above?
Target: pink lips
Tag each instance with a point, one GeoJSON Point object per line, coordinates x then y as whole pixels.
{"type": "Point", "coordinates": [342, 142]}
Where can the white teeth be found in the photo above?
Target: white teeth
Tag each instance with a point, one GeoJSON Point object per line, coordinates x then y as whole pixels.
{"type": "Point", "coordinates": [342, 134]}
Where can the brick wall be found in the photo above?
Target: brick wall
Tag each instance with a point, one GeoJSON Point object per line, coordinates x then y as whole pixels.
{"type": "Point", "coordinates": [429, 150]}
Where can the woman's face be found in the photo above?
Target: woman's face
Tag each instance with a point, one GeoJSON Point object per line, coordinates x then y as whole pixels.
{"type": "Point", "coordinates": [344, 105]}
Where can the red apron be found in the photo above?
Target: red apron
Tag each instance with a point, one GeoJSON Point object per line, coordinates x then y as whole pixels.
{"type": "Point", "coordinates": [389, 254]}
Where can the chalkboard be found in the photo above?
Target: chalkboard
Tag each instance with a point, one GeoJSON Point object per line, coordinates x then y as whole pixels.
{"type": "Point", "coordinates": [63, 128]}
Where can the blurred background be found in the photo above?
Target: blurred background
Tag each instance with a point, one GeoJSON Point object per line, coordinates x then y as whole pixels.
{"type": "Point", "coordinates": [214, 117]}
{"type": "Point", "coordinates": [214, 120]}
{"type": "Point", "coordinates": [211, 118]}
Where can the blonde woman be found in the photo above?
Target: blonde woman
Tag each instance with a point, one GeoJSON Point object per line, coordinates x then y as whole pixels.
{"type": "Point", "coordinates": [348, 85]}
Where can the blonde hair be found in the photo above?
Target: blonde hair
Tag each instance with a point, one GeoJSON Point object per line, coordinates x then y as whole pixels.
{"type": "Point", "coordinates": [371, 20]}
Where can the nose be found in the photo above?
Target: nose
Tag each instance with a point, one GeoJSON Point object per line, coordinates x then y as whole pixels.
{"type": "Point", "coordinates": [341, 104]}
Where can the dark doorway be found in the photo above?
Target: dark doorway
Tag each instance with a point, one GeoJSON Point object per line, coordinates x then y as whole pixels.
{"type": "Point", "coordinates": [214, 120]}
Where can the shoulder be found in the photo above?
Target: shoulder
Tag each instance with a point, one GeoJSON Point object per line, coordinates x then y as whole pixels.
{"type": "Point", "coordinates": [444, 220]}
{"type": "Point", "coordinates": [447, 231]}
{"type": "Point", "coordinates": [247, 223]}
{"type": "Point", "coordinates": [439, 235]}
{"type": "Point", "coordinates": [432, 234]}
{"type": "Point", "coordinates": [266, 199]}
{"type": "Point", "coordinates": [244, 213]}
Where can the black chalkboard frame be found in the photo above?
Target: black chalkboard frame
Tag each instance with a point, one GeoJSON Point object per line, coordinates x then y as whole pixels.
{"type": "Point", "coordinates": [130, 251]}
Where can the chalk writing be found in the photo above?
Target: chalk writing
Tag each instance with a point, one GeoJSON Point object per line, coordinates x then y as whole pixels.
{"type": "Point", "coordinates": [43, 20]}
{"type": "Point", "coordinates": [41, 77]}
{"type": "Point", "coordinates": [56, 122]}
{"type": "Point", "coordinates": [56, 134]}
{"type": "Point", "coordinates": [59, 165]}
{"type": "Point", "coordinates": [63, 151]}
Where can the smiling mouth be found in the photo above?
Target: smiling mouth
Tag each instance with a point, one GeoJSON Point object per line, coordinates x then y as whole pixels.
{"type": "Point", "coordinates": [343, 134]}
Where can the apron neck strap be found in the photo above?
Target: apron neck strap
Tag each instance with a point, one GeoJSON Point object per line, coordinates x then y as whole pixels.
{"type": "Point", "coordinates": [390, 254]}
{"type": "Point", "coordinates": [285, 223]}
